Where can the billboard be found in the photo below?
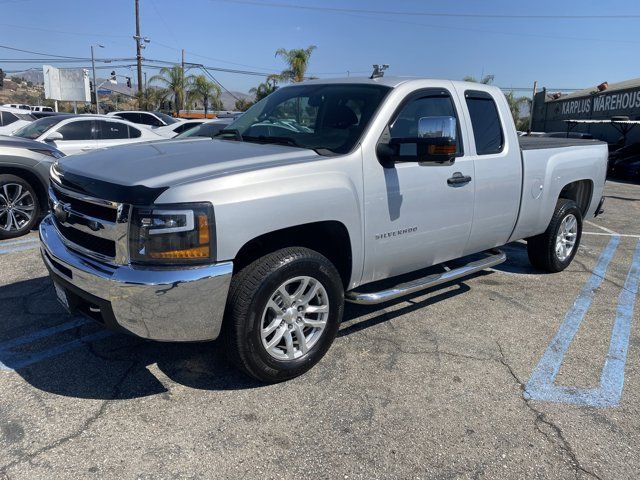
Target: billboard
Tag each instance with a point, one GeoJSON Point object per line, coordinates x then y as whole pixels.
{"type": "Point", "coordinates": [66, 85]}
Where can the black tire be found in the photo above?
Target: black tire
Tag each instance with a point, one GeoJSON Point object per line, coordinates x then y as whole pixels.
{"type": "Point", "coordinates": [252, 288]}
{"type": "Point", "coordinates": [24, 228]}
{"type": "Point", "coordinates": [542, 248]}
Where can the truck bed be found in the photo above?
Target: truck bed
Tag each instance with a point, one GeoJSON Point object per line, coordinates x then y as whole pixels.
{"type": "Point", "coordinates": [537, 143]}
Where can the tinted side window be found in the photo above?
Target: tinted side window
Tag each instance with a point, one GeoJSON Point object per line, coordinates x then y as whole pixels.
{"type": "Point", "coordinates": [148, 119]}
{"type": "Point", "coordinates": [485, 121]}
{"type": "Point", "coordinates": [405, 125]}
{"type": "Point", "coordinates": [111, 130]}
{"type": "Point", "coordinates": [132, 117]}
{"type": "Point", "coordinates": [80, 130]}
{"type": "Point", "coordinates": [182, 128]}
{"type": "Point", "coordinates": [134, 132]}
{"type": "Point", "coordinates": [8, 118]}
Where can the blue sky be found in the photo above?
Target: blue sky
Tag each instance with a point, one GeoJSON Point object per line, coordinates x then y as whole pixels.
{"type": "Point", "coordinates": [558, 53]}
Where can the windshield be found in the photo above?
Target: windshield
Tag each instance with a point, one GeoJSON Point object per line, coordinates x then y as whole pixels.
{"type": "Point", "coordinates": [325, 117]}
{"type": "Point", "coordinates": [205, 130]}
{"type": "Point", "coordinates": [36, 128]}
{"type": "Point", "coordinates": [169, 120]}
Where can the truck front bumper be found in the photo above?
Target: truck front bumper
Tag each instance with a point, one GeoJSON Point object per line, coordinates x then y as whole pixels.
{"type": "Point", "coordinates": [181, 305]}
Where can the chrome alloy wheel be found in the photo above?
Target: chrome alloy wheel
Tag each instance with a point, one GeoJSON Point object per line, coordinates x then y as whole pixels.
{"type": "Point", "coordinates": [17, 206]}
{"type": "Point", "coordinates": [294, 318]}
{"type": "Point", "coordinates": [566, 238]}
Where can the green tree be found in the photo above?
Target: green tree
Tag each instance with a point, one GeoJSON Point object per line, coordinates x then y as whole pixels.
{"type": "Point", "coordinates": [206, 91]}
{"type": "Point", "coordinates": [515, 105]}
{"type": "Point", "coordinates": [486, 80]}
{"type": "Point", "coordinates": [243, 104]}
{"type": "Point", "coordinates": [266, 88]}
{"type": "Point", "coordinates": [151, 97]}
{"type": "Point", "coordinates": [297, 61]}
{"type": "Point", "coordinates": [175, 84]}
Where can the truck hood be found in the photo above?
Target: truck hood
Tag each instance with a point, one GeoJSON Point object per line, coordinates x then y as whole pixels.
{"type": "Point", "coordinates": [173, 162]}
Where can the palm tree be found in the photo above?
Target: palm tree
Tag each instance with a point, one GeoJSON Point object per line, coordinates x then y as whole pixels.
{"type": "Point", "coordinates": [175, 84]}
{"type": "Point", "coordinates": [206, 91]}
{"type": "Point", "coordinates": [297, 60]}
{"type": "Point", "coordinates": [515, 103]}
{"type": "Point", "coordinates": [486, 80]}
{"type": "Point", "coordinates": [150, 98]}
{"type": "Point", "coordinates": [266, 88]}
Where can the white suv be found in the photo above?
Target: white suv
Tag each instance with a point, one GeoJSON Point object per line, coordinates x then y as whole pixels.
{"type": "Point", "coordinates": [11, 119]}
{"type": "Point", "coordinates": [81, 133]}
{"type": "Point", "coordinates": [150, 119]}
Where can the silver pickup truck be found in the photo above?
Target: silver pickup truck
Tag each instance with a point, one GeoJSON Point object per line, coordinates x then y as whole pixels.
{"type": "Point", "coordinates": [322, 192]}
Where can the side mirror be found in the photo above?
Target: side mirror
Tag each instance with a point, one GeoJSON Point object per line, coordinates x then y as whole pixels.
{"type": "Point", "coordinates": [54, 137]}
{"type": "Point", "coordinates": [436, 142]}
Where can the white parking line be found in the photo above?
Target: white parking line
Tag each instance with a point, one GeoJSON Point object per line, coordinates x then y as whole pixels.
{"type": "Point", "coordinates": [611, 232]}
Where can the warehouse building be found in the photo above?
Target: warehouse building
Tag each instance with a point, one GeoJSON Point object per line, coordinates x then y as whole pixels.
{"type": "Point", "coordinates": [617, 101]}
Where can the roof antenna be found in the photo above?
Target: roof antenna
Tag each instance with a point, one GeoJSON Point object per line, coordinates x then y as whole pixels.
{"type": "Point", "coordinates": [378, 71]}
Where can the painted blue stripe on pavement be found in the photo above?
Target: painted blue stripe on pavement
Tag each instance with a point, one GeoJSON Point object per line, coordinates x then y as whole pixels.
{"type": "Point", "coordinates": [18, 362]}
{"type": "Point", "coordinates": [19, 248]}
{"type": "Point", "coordinates": [609, 392]}
{"type": "Point", "coordinates": [18, 242]}
{"type": "Point", "coordinates": [547, 369]}
{"type": "Point", "coordinates": [612, 378]}
{"type": "Point", "coordinates": [46, 332]}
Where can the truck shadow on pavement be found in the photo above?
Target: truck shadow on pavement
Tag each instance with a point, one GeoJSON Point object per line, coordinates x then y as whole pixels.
{"type": "Point", "coordinates": [69, 356]}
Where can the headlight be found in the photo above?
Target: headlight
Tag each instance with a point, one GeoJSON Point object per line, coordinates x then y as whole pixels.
{"type": "Point", "coordinates": [172, 234]}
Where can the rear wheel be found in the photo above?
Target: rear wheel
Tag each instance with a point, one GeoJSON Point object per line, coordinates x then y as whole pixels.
{"type": "Point", "coordinates": [283, 313]}
{"type": "Point", "coordinates": [19, 208]}
{"type": "Point", "coordinates": [554, 249]}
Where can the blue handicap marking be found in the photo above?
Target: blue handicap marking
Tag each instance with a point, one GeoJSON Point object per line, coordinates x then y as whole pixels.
{"type": "Point", "coordinates": [13, 360]}
{"type": "Point", "coordinates": [541, 385]}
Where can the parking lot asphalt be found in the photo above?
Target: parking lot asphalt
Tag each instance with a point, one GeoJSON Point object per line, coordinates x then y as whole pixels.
{"type": "Point", "coordinates": [511, 373]}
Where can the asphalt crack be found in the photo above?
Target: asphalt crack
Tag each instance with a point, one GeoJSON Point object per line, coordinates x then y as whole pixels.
{"type": "Point", "coordinates": [541, 419]}
{"type": "Point", "coordinates": [117, 390]}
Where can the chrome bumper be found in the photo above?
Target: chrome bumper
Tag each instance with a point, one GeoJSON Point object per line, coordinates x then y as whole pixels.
{"type": "Point", "coordinates": [159, 304]}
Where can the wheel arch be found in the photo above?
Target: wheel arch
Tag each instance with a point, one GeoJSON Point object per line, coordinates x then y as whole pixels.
{"type": "Point", "coordinates": [330, 238]}
{"type": "Point", "coordinates": [580, 191]}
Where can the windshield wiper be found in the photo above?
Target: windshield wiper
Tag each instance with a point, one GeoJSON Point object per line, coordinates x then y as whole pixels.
{"type": "Point", "coordinates": [233, 131]}
{"type": "Point", "coordinates": [274, 139]}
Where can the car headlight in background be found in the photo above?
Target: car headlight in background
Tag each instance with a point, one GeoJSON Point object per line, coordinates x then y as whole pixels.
{"type": "Point", "coordinates": [172, 234]}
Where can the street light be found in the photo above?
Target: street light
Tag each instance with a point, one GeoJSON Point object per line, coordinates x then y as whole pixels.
{"type": "Point", "coordinates": [95, 85]}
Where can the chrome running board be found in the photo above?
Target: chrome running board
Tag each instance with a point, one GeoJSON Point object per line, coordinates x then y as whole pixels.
{"type": "Point", "coordinates": [494, 257]}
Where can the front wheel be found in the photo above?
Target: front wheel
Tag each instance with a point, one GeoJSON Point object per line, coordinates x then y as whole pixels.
{"type": "Point", "coordinates": [554, 249]}
{"type": "Point", "coordinates": [283, 313]}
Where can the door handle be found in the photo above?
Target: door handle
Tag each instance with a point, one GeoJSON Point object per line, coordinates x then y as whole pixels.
{"type": "Point", "coordinates": [458, 179]}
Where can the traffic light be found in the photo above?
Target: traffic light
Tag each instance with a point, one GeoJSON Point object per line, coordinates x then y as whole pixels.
{"type": "Point", "coordinates": [129, 82]}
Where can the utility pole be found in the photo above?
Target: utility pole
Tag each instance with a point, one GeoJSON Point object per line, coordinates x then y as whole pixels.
{"type": "Point", "coordinates": [95, 84]}
{"type": "Point", "coordinates": [184, 89]}
{"type": "Point", "coordinates": [533, 101]}
{"type": "Point", "coordinates": [138, 39]}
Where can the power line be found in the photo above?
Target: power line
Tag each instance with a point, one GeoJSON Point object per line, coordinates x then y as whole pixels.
{"type": "Point", "coordinates": [428, 14]}
{"type": "Point", "coordinates": [6, 47]}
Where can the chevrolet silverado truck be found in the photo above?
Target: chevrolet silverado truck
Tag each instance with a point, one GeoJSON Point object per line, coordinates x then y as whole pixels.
{"type": "Point", "coordinates": [321, 193]}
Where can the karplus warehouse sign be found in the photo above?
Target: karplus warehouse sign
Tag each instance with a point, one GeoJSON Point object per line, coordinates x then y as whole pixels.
{"type": "Point", "coordinates": [604, 102]}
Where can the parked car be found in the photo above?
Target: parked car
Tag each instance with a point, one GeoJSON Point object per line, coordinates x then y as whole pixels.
{"type": "Point", "coordinates": [24, 180]}
{"type": "Point", "coordinates": [183, 126]}
{"type": "Point", "coordinates": [46, 114]}
{"type": "Point", "coordinates": [41, 108]}
{"type": "Point", "coordinates": [19, 106]}
{"type": "Point", "coordinates": [11, 119]}
{"type": "Point", "coordinates": [207, 129]}
{"type": "Point", "coordinates": [82, 133]}
{"type": "Point", "coordinates": [625, 162]}
{"type": "Point", "coordinates": [150, 119]}
{"type": "Point", "coordinates": [317, 193]}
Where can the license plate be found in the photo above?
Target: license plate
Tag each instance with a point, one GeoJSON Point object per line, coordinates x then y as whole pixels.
{"type": "Point", "coordinates": [62, 295]}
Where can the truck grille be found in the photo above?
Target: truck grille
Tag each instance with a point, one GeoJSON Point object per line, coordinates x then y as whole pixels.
{"type": "Point", "coordinates": [93, 227]}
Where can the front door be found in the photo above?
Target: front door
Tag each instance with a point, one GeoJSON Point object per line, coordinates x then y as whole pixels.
{"type": "Point", "coordinates": [414, 215]}
{"type": "Point", "coordinates": [77, 137]}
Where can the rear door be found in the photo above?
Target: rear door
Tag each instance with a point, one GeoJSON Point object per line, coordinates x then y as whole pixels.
{"type": "Point", "coordinates": [77, 137]}
{"type": "Point", "coordinates": [498, 168]}
{"type": "Point", "coordinates": [111, 132]}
